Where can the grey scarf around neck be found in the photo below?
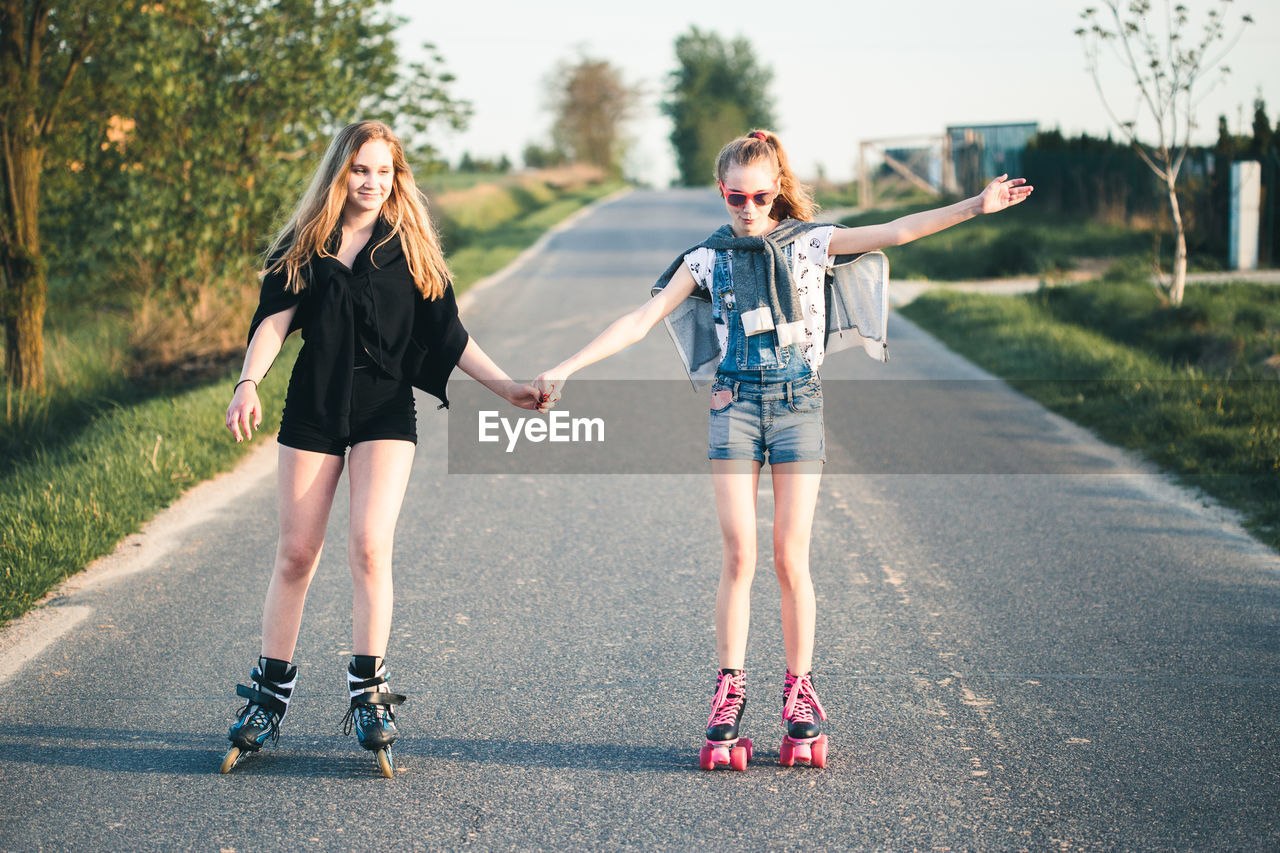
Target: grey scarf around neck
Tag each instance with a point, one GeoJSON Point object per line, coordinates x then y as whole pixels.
{"type": "Point", "coordinates": [762, 282]}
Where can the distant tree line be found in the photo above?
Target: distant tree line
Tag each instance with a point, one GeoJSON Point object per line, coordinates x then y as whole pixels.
{"type": "Point", "coordinates": [467, 163]}
{"type": "Point", "coordinates": [1101, 178]}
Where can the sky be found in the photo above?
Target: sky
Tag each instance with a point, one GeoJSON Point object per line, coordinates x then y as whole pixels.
{"type": "Point", "coordinates": [844, 72]}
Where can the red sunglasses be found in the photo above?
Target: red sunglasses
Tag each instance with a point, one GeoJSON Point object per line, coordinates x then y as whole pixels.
{"type": "Point", "coordinates": [764, 198]}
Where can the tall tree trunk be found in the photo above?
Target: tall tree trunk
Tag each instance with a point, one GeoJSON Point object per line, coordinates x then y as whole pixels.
{"type": "Point", "coordinates": [1179, 282]}
{"type": "Point", "coordinates": [24, 270]}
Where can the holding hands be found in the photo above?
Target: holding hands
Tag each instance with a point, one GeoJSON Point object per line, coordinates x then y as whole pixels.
{"type": "Point", "coordinates": [523, 396]}
{"type": "Point", "coordinates": [550, 385]}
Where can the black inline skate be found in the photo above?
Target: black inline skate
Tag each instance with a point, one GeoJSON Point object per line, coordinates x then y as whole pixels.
{"type": "Point", "coordinates": [259, 719]}
{"type": "Point", "coordinates": [371, 712]}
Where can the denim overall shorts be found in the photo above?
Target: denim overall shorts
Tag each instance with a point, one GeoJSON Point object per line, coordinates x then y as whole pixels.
{"type": "Point", "coordinates": [766, 404]}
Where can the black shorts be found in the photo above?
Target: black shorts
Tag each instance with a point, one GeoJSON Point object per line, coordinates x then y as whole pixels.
{"type": "Point", "coordinates": [381, 409]}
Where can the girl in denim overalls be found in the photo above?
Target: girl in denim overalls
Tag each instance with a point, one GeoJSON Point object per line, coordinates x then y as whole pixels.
{"type": "Point", "coordinates": [766, 405]}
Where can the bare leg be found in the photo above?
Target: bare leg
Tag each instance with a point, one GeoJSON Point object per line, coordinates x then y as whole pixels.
{"type": "Point", "coordinates": [379, 475]}
{"type": "Point", "coordinates": [307, 481]}
{"type": "Point", "coordinates": [735, 486]}
{"type": "Point", "coordinates": [795, 492]}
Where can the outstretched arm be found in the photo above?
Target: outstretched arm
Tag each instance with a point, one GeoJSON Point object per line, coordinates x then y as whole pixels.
{"type": "Point", "coordinates": [620, 334]}
{"type": "Point", "coordinates": [477, 364]}
{"type": "Point", "coordinates": [999, 194]}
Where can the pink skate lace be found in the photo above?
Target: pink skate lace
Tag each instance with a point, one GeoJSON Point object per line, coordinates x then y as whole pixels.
{"type": "Point", "coordinates": [730, 690]}
{"type": "Point", "coordinates": [798, 689]}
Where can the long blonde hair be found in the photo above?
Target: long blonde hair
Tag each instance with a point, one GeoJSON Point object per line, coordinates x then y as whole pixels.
{"type": "Point", "coordinates": [795, 200]}
{"type": "Point", "coordinates": [310, 229]}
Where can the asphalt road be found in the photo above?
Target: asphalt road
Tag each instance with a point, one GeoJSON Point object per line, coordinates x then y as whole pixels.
{"type": "Point", "coordinates": [1024, 641]}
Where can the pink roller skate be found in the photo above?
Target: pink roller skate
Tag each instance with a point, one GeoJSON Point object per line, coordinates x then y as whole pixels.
{"type": "Point", "coordinates": [723, 744]}
{"type": "Point", "coordinates": [804, 740]}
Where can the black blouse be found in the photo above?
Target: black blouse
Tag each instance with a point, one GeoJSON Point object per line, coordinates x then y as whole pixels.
{"type": "Point", "coordinates": [375, 306]}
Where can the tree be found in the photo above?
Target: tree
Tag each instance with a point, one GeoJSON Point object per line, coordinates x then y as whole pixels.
{"type": "Point", "coordinates": [1168, 70]}
{"type": "Point", "coordinates": [199, 130]}
{"type": "Point", "coordinates": [1262, 138]}
{"type": "Point", "coordinates": [235, 104]}
{"type": "Point", "coordinates": [44, 49]}
{"type": "Point", "coordinates": [537, 157]}
{"type": "Point", "coordinates": [718, 91]}
{"type": "Point", "coordinates": [1225, 148]}
{"type": "Point", "coordinates": [591, 103]}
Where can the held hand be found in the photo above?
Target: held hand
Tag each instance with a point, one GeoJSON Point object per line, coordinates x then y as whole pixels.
{"type": "Point", "coordinates": [244, 412]}
{"type": "Point", "coordinates": [523, 396]}
{"type": "Point", "coordinates": [550, 385]}
{"type": "Point", "coordinates": [1002, 193]}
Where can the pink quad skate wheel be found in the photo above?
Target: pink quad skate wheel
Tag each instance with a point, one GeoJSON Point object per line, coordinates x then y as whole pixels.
{"type": "Point", "coordinates": [786, 753]}
{"type": "Point", "coordinates": [746, 741]}
{"type": "Point", "coordinates": [738, 758]}
{"type": "Point", "coordinates": [706, 760]}
{"type": "Point", "coordinates": [720, 754]}
{"type": "Point", "coordinates": [819, 757]}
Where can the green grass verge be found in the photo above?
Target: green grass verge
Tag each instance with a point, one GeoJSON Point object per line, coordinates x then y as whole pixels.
{"type": "Point", "coordinates": [1190, 387]}
{"type": "Point", "coordinates": [111, 457]}
{"type": "Point", "coordinates": [64, 507]}
{"type": "Point", "coordinates": [84, 373]}
{"type": "Point", "coordinates": [485, 251]}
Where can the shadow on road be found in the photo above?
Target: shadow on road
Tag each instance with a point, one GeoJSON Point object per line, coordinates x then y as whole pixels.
{"type": "Point", "coordinates": [160, 752]}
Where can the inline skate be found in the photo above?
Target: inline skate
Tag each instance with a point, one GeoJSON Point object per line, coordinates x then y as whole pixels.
{"type": "Point", "coordinates": [259, 719]}
{"type": "Point", "coordinates": [371, 712]}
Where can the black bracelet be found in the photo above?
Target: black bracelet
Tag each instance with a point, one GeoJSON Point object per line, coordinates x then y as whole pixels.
{"type": "Point", "coordinates": [242, 381]}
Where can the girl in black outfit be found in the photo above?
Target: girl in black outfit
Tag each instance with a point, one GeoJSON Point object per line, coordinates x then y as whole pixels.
{"type": "Point", "coordinates": [358, 269]}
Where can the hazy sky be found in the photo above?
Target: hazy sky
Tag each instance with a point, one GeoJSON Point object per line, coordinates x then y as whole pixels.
{"type": "Point", "coordinates": [843, 71]}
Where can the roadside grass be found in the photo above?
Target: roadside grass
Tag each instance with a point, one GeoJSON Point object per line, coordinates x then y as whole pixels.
{"type": "Point", "coordinates": [480, 248]}
{"type": "Point", "coordinates": [64, 507]}
{"type": "Point", "coordinates": [96, 456]}
{"type": "Point", "coordinates": [1195, 388]}
{"type": "Point", "coordinates": [85, 372]}
{"type": "Point", "coordinates": [1021, 241]}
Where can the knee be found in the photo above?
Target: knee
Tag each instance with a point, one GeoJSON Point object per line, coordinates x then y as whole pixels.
{"type": "Point", "coordinates": [369, 558]}
{"type": "Point", "coordinates": [739, 560]}
{"type": "Point", "coordinates": [792, 567]}
{"type": "Point", "coordinates": [295, 561]}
